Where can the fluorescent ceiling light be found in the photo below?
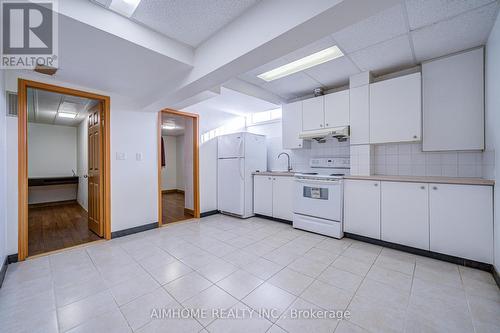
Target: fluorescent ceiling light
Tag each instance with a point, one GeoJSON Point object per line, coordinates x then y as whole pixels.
{"type": "Point", "coordinates": [66, 115]}
{"type": "Point", "coordinates": [169, 126]}
{"type": "Point", "coordinates": [303, 63]}
{"type": "Point", "coordinates": [124, 7]}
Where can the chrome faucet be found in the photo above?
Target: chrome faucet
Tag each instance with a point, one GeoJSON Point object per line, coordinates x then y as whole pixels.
{"type": "Point", "coordinates": [289, 167]}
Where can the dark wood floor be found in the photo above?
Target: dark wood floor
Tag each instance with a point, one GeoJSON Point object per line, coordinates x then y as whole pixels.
{"type": "Point", "coordinates": [173, 208]}
{"type": "Point", "coordinates": [56, 227]}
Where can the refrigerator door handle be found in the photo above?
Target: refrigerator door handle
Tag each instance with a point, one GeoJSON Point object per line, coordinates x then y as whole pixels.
{"type": "Point", "coordinates": [242, 176]}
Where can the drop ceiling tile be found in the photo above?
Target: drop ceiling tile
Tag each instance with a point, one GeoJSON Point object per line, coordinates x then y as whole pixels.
{"type": "Point", "coordinates": [295, 85]}
{"type": "Point", "coordinates": [425, 12]}
{"type": "Point", "coordinates": [317, 46]}
{"type": "Point", "coordinates": [385, 57]}
{"type": "Point", "coordinates": [190, 22]}
{"type": "Point", "coordinates": [378, 28]}
{"type": "Point", "coordinates": [462, 32]}
{"type": "Point", "coordinates": [333, 73]}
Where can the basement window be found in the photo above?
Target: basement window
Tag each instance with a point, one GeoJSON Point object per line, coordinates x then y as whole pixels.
{"type": "Point", "coordinates": [264, 117]}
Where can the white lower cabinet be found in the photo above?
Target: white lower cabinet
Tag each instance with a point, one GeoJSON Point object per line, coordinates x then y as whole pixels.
{"type": "Point", "coordinates": [283, 198]}
{"type": "Point", "coordinates": [362, 208]}
{"type": "Point", "coordinates": [461, 221]}
{"type": "Point", "coordinates": [405, 214]}
{"type": "Point", "coordinates": [273, 196]}
{"type": "Point", "coordinates": [263, 195]}
{"type": "Point", "coordinates": [455, 220]}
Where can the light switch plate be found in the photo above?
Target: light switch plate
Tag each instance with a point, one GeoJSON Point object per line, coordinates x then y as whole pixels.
{"type": "Point", "coordinates": [138, 156]}
{"type": "Point", "coordinates": [121, 156]}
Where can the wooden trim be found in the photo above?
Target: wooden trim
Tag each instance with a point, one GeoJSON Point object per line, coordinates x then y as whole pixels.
{"type": "Point", "coordinates": [23, 86]}
{"type": "Point", "coordinates": [189, 211]}
{"type": "Point", "coordinates": [53, 203]}
{"type": "Point", "coordinates": [196, 164]}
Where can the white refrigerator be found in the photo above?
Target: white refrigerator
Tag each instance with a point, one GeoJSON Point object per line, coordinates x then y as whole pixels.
{"type": "Point", "coordinates": [239, 155]}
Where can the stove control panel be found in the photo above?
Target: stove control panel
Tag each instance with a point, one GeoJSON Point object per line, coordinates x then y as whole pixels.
{"type": "Point", "coordinates": [330, 162]}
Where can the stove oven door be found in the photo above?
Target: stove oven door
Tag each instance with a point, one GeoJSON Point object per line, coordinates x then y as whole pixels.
{"type": "Point", "coordinates": [318, 198]}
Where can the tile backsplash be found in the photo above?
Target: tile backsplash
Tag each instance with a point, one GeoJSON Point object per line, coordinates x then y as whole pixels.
{"type": "Point", "coordinates": [409, 160]}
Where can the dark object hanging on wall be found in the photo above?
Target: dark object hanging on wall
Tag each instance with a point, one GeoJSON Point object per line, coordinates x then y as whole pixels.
{"type": "Point", "coordinates": [162, 153]}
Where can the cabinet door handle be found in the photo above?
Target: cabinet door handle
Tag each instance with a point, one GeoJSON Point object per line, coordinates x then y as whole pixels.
{"type": "Point", "coordinates": [422, 187]}
{"type": "Point", "coordinates": [415, 136]}
{"type": "Point", "coordinates": [376, 184]}
{"type": "Point", "coordinates": [269, 178]}
{"type": "Point", "coordinates": [327, 125]}
{"type": "Point", "coordinates": [320, 125]}
{"type": "Point", "coordinates": [434, 188]}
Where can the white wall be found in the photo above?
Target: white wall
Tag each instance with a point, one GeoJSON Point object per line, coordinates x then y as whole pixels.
{"type": "Point", "coordinates": [51, 150]}
{"type": "Point", "coordinates": [169, 171]}
{"type": "Point", "coordinates": [208, 176]}
{"type": "Point", "coordinates": [493, 121]}
{"type": "Point", "coordinates": [180, 163]}
{"type": "Point", "coordinates": [82, 164]}
{"type": "Point", "coordinates": [188, 165]}
{"type": "Point", "coordinates": [134, 184]}
{"type": "Point", "coordinates": [3, 166]}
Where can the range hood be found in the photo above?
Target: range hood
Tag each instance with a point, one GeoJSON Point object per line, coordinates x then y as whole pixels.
{"type": "Point", "coordinates": [339, 133]}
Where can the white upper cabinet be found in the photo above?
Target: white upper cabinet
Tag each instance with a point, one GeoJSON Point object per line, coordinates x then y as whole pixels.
{"type": "Point", "coordinates": [461, 221]}
{"type": "Point", "coordinates": [292, 126]}
{"type": "Point", "coordinates": [359, 105]}
{"type": "Point", "coordinates": [453, 102]}
{"type": "Point", "coordinates": [313, 113]}
{"type": "Point", "coordinates": [362, 208]}
{"type": "Point", "coordinates": [337, 109]}
{"type": "Point", "coordinates": [405, 214]}
{"type": "Point", "coordinates": [396, 110]}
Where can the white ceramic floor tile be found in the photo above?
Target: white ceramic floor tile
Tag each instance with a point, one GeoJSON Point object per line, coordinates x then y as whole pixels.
{"type": "Point", "coordinates": [307, 266]}
{"type": "Point", "coordinates": [396, 298]}
{"type": "Point", "coordinates": [239, 284]}
{"type": "Point", "coordinates": [217, 270]}
{"type": "Point", "coordinates": [133, 288]}
{"type": "Point", "coordinates": [327, 296]}
{"type": "Point", "coordinates": [81, 311]}
{"type": "Point", "coordinates": [165, 274]}
{"type": "Point", "coordinates": [341, 279]}
{"type": "Point", "coordinates": [263, 268]}
{"type": "Point", "coordinates": [291, 281]}
{"type": "Point", "coordinates": [187, 286]}
{"type": "Point", "coordinates": [352, 265]}
{"type": "Point", "coordinates": [295, 319]}
{"type": "Point", "coordinates": [138, 312]}
{"type": "Point", "coordinates": [270, 299]}
{"type": "Point", "coordinates": [110, 322]}
{"type": "Point", "coordinates": [210, 301]}
{"type": "Point", "coordinates": [393, 278]}
{"type": "Point", "coordinates": [243, 319]}
{"type": "Point", "coordinates": [375, 316]}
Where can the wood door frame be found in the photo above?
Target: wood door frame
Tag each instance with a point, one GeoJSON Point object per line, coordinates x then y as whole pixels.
{"type": "Point", "coordinates": [23, 86]}
{"type": "Point", "coordinates": [196, 161]}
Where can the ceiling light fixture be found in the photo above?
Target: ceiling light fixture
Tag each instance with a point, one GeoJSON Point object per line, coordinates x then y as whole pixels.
{"type": "Point", "coordinates": [124, 7]}
{"type": "Point", "coordinates": [303, 63]}
{"type": "Point", "coordinates": [66, 115]}
{"type": "Point", "coordinates": [169, 125]}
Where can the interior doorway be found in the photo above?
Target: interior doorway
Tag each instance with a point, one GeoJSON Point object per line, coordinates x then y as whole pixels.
{"type": "Point", "coordinates": [63, 168]}
{"type": "Point", "coordinates": [178, 197]}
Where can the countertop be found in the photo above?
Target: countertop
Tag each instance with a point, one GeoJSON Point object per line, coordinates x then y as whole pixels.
{"type": "Point", "coordinates": [439, 180]}
{"type": "Point", "coordinates": [274, 173]}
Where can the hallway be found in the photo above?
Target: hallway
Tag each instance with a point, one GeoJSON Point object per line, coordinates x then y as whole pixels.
{"type": "Point", "coordinates": [173, 208]}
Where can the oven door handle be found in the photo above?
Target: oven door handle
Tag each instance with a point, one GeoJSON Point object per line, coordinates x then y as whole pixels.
{"type": "Point", "coordinates": [315, 181]}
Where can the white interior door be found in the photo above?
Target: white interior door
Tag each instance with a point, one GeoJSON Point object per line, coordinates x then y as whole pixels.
{"type": "Point", "coordinates": [231, 186]}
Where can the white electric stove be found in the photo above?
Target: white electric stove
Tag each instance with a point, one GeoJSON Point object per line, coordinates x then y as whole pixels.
{"type": "Point", "coordinates": [318, 198]}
